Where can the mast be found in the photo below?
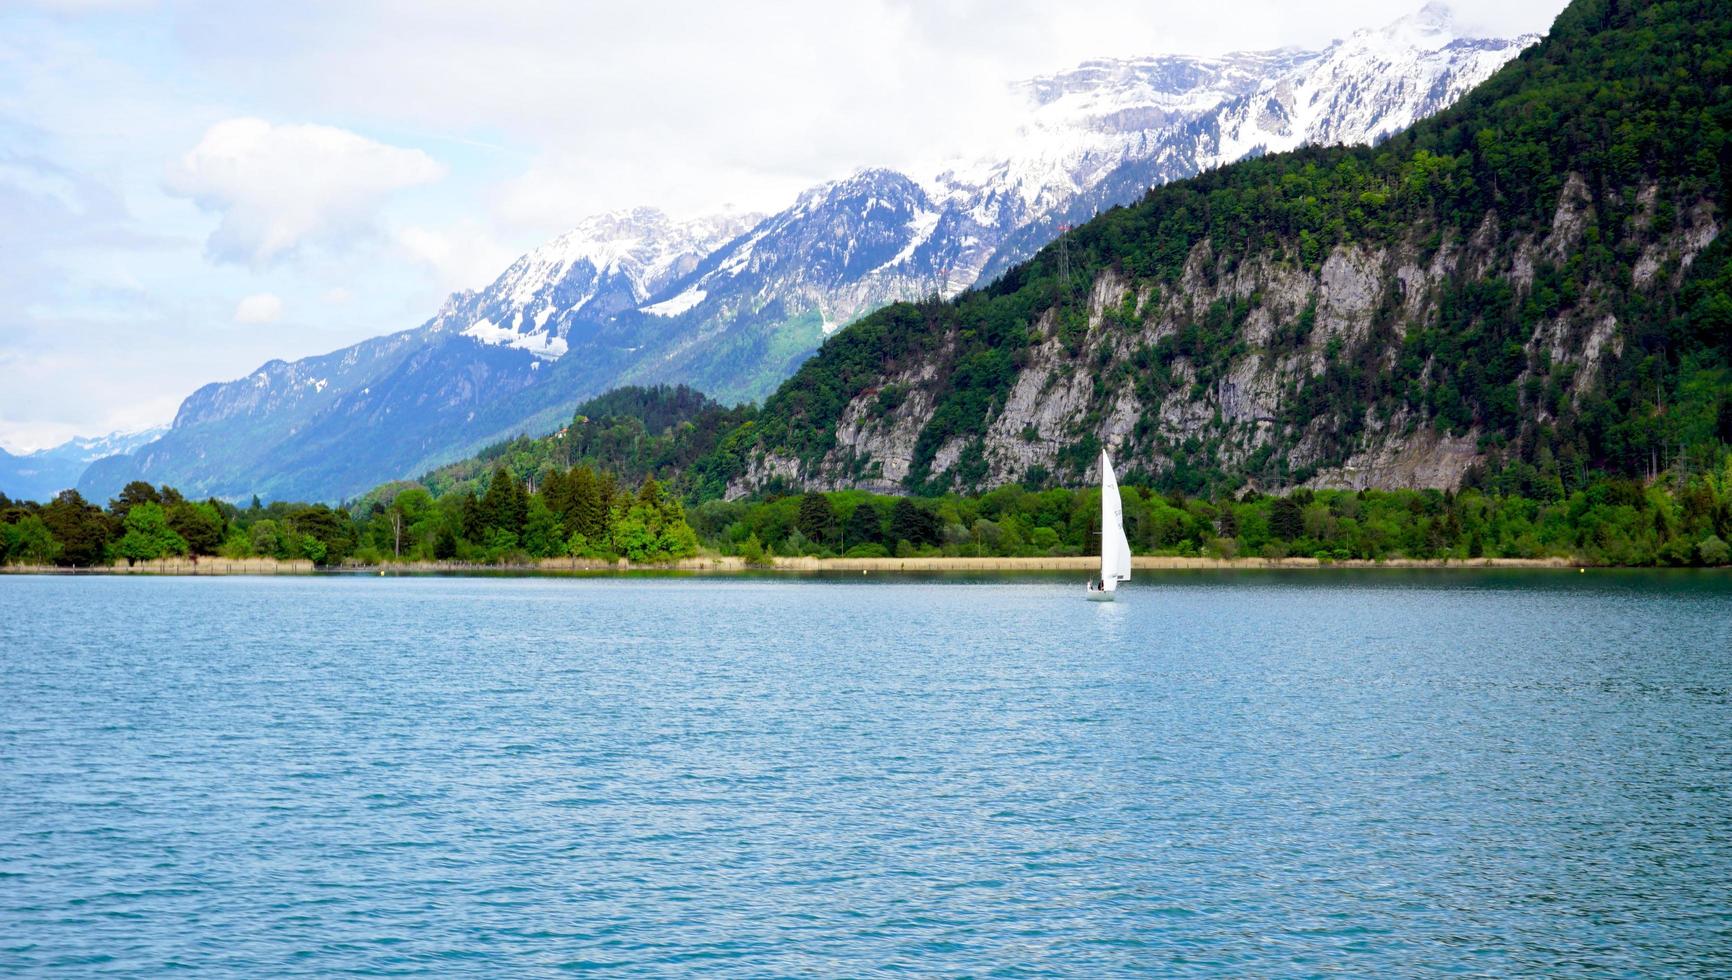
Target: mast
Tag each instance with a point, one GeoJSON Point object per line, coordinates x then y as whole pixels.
{"type": "Point", "coordinates": [1115, 548]}
{"type": "Point", "coordinates": [1107, 482]}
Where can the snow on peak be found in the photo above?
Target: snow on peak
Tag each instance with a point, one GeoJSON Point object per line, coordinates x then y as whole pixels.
{"type": "Point", "coordinates": [678, 304]}
{"type": "Point", "coordinates": [91, 448]}
{"type": "Point", "coordinates": [1361, 89]}
{"type": "Point", "coordinates": [612, 261]}
{"type": "Point", "coordinates": [540, 342]}
{"type": "Point", "coordinates": [1428, 29]}
{"type": "Point", "coordinates": [1085, 121]}
{"type": "Point", "coordinates": [642, 244]}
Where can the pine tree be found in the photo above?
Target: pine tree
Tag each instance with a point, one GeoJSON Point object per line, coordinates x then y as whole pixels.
{"type": "Point", "coordinates": [1286, 519]}
{"type": "Point", "coordinates": [817, 519]}
{"type": "Point", "coordinates": [908, 522]}
{"type": "Point", "coordinates": [1226, 519]}
{"type": "Point", "coordinates": [607, 491]}
{"type": "Point", "coordinates": [445, 543]}
{"type": "Point", "coordinates": [607, 497]}
{"type": "Point", "coordinates": [864, 526]}
{"type": "Point", "coordinates": [474, 518]}
{"type": "Point", "coordinates": [556, 492]}
{"type": "Point", "coordinates": [516, 506]}
{"type": "Point", "coordinates": [505, 505]}
{"type": "Point", "coordinates": [584, 513]}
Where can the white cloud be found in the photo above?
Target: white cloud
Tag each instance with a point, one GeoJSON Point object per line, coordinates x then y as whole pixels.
{"type": "Point", "coordinates": [91, 6]}
{"type": "Point", "coordinates": [337, 296]}
{"type": "Point", "coordinates": [463, 257]}
{"type": "Point", "coordinates": [259, 308]}
{"type": "Point", "coordinates": [89, 397]}
{"type": "Point", "coordinates": [278, 187]}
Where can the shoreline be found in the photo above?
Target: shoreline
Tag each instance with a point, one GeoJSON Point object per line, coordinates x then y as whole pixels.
{"type": "Point", "coordinates": [725, 564]}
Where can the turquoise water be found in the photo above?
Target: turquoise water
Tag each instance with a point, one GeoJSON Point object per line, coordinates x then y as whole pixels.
{"type": "Point", "coordinates": [1254, 775]}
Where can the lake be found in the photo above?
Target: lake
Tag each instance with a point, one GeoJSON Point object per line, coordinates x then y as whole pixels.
{"type": "Point", "coordinates": [1238, 774]}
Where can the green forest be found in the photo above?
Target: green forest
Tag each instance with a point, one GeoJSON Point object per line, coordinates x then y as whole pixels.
{"type": "Point", "coordinates": [573, 512]}
{"type": "Point", "coordinates": [609, 486]}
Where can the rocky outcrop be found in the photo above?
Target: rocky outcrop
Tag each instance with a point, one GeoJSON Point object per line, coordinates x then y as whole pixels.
{"type": "Point", "coordinates": [1421, 459]}
{"type": "Point", "coordinates": [1156, 405]}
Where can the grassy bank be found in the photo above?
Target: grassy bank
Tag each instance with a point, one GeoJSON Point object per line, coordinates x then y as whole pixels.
{"type": "Point", "coordinates": [725, 564]}
{"type": "Point", "coordinates": [204, 565]}
{"type": "Point", "coordinates": [1086, 563]}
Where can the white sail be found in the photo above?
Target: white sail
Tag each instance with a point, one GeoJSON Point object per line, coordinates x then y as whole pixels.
{"type": "Point", "coordinates": [1115, 548]}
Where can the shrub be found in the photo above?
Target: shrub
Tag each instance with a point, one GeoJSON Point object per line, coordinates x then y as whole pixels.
{"type": "Point", "coordinates": [752, 551]}
{"type": "Point", "coordinates": [1713, 551]}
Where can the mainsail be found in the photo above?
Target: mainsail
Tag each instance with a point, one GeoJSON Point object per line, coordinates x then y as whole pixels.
{"type": "Point", "coordinates": [1115, 548]}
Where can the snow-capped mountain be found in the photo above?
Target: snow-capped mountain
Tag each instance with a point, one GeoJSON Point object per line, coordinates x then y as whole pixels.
{"type": "Point", "coordinates": [87, 449]}
{"type": "Point", "coordinates": [754, 309]}
{"type": "Point", "coordinates": [42, 474]}
{"type": "Point", "coordinates": [471, 374]}
{"type": "Point", "coordinates": [1359, 90]}
{"type": "Point", "coordinates": [608, 264]}
{"type": "Point", "coordinates": [1084, 123]}
{"type": "Point", "coordinates": [1106, 131]}
{"type": "Point", "coordinates": [734, 304]}
{"type": "Point", "coordinates": [832, 250]}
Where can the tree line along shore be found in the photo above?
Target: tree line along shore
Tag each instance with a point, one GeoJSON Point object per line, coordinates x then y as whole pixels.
{"type": "Point", "coordinates": [581, 517]}
{"type": "Point", "coordinates": [730, 564]}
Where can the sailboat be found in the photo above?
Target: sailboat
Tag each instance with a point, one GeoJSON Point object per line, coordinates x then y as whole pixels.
{"type": "Point", "coordinates": [1115, 548]}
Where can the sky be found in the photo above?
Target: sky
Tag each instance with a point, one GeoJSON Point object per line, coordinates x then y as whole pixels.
{"type": "Point", "coordinates": [189, 189]}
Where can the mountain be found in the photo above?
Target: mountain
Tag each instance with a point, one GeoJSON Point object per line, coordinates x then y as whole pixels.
{"type": "Point", "coordinates": [488, 365]}
{"type": "Point", "coordinates": [42, 474]}
{"type": "Point", "coordinates": [552, 298]}
{"type": "Point", "coordinates": [734, 304]}
{"type": "Point", "coordinates": [1106, 132]}
{"type": "Point", "coordinates": [1530, 286]}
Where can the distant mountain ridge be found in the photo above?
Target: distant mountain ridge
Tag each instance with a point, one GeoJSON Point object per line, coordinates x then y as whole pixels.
{"type": "Point", "coordinates": [733, 305]}
{"type": "Point", "coordinates": [41, 474]}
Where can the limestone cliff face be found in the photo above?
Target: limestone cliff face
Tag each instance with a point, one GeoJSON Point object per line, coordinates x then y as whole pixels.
{"type": "Point", "coordinates": [1133, 377]}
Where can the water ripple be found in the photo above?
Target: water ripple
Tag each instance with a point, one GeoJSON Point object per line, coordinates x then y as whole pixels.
{"type": "Point", "coordinates": [1223, 775]}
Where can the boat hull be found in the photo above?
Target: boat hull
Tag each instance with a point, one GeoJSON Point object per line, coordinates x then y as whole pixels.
{"type": "Point", "coordinates": [1101, 595]}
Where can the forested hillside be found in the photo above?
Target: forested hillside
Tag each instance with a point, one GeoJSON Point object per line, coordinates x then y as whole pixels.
{"type": "Point", "coordinates": [1529, 285]}
{"type": "Point", "coordinates": [633, 433]}
{"type": "Point", "coordinates": [616, 481]}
